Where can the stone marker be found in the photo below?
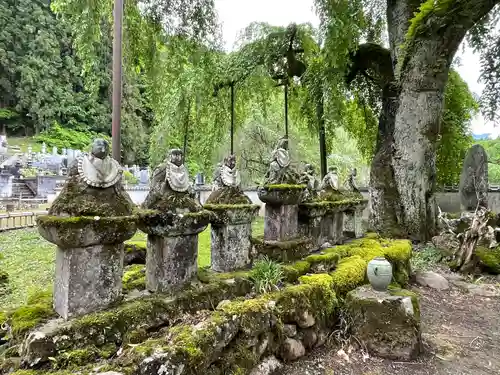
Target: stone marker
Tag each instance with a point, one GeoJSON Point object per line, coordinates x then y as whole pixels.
{"type": "Point", "coordinates": [89, 221]}
{"type": "Point", "coordinates": [281, 193]}
{"type": "Point", "coordinates": [231, 223]}
{"type": "Point", "coordinates": [386, 323]}
{"type": "Point", "coordinates": [173, 221]}
{"type": "Point", "coordinates": [473, 188]}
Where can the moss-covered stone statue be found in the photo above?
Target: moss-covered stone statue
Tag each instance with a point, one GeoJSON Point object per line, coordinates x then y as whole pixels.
{"type": "Point", "coordinates": [172, 219]}
{"type": "Point", "coordinates": [89, 221]}
{"type": "Point", "coordinates": [308, 178]}
{"type": "Point", "coordinates": [233, 213]}
{"type": "Point", "coordinates": [281, 192]}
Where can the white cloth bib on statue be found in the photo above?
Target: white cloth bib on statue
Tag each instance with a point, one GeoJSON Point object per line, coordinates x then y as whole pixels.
{"type": "Point", "coordinates": [101, 173]}
{"type": "Point", "coordinates": [230, 177]}
{"type": "Point", "coordinates": [177, 177]}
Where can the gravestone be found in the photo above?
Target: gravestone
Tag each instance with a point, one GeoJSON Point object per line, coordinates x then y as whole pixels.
{"type": "Point", "coordinates": [144, 177]}
{"type": "Point", "coordinates": [473, 187]}
{"type": "Point", "coordinates": [54, 150]}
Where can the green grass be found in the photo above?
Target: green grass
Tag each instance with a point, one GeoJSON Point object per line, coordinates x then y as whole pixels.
{"type": "Point", "coordinates": [30, 261]}
{"type": "Point", "coordinates": [24, 143]}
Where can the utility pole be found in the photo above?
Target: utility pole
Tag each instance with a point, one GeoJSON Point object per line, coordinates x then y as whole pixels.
{"type": "Point", "coordinates": [117, 80]}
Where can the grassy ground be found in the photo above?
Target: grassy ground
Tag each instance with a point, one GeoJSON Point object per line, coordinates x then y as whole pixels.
{"type": "Point", "coordinates": [29, 260]}
{"type": "Point", "coordinates": [24, 143]}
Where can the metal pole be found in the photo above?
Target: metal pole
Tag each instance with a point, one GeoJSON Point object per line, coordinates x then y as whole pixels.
{"type": "Point", "coordinates": [286, 109]}
{"type": "Point", "coordinates": [232, 118]}
{"type": "Point", "coordinates": [117, 80]}
{"type": "Point", "coordinates": [322, 138]}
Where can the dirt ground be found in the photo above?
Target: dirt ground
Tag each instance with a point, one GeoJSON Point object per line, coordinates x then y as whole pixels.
{"type": "Point", "coordinates": [461, 334]}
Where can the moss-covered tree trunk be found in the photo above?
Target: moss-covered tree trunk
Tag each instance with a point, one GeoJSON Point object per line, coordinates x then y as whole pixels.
{"type": "Point", "coordinates": [421, 59]}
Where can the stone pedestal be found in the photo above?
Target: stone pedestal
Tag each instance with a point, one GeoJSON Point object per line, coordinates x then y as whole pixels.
{"type": "Point", "coordinates": [386, 323]}
{"type": "Point", "coordinates": [231, 233]}
{"type": "Point", "coordinates": [353, 220]}
{"type": "Point", "coordinates": [282, 211]}
{"type": "Point", "coordinates": [315, 222]}
{"type": "Point", "coordinates": [172, 253]}
{"type": "Point", "coordinates": [89, 260]}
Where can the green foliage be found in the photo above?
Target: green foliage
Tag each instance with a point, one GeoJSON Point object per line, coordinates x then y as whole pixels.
{"type": "Point", "coordinates": [68, 138]}
{"type": "Point", "coordinates": [460, 106]}
{"type": "Point", "coordinates": [266, 275]}
{"type": "Point", "coordinates": [492, 148]}
{"type": "Point", "coordinates": [130, 178]}
{"type": "Point", "coordinates": [426, 258]}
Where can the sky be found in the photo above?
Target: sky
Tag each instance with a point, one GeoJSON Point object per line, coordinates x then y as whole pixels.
{"type": "Point", "coordinates": [235, 15]}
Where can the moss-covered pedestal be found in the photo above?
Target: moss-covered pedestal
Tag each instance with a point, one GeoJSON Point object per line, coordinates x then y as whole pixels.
{"type": "Point", "coordinates": [231, 233]}
{"type": "Point", "coordinates": [89, 260]}
{"type": "Point", "coordinates": [172, 253]}
{"type": "Point", "coordinates": [353, 217]}
{"type": "Point", "coordinates": [387, 323]}
{"type": "Point", "coordinates": [282, 211]}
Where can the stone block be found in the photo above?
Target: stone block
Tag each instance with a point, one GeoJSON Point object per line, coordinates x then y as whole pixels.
{"type": "Point", "coordinates": [386, 323]}
{"type": "Point", "coordinates": [353, 223]}
{"type": "Point", "coordinates": [87, 279]}
{"type": "Point", "coordinates": [171, 262]}
{"type": "Point", "coordinates": [230, 246]}
{"type": "Point", "coordinates": [281, 222]}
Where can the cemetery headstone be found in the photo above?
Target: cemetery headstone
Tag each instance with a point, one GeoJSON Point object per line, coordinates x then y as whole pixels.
{"type": "Point", "coordinates": [54, 150]}
{"type": "Point", "coordinates": [44, 148]}
{"type": "Point", "coordinates": [473, 188]}
{"type": "Point", "coordinates": [144, 177]}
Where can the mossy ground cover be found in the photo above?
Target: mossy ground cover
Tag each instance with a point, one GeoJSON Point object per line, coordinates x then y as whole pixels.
{"type": "Point", "coordinates": [29, 260]}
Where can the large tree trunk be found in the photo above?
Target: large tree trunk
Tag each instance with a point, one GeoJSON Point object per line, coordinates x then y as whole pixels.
{"type": "Point", "coordinates": [423, 73]}
{"type": "Point", "coordinates": [385, 209]}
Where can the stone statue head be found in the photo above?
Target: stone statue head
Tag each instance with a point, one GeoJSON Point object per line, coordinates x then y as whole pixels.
{"type": "Point", "coordinates": [308, 168]}
{"type": "Point", "coordinates": [282, 143]}
{"type": "Point", "coordinates": [100, 148]}
{"type": "Point", "coordinates": [354, 172]}
{"type": "Point", "coordinates": [332, 170]}
{"type": "Point", "coordinates": [230, 161]}
{"type": "Point", "coordinates": [176, 157]}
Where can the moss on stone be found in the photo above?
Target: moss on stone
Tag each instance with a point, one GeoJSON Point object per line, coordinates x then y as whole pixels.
{"type": "Point", "coordinates": [396, 291]}
{"type": "Point", "coordinates": [78, 222]}
{"type": "Point", "coordinates": [77, 199]}
{"type": "Point", "coordinates": [134, 277]}
{"type": "Point", "coordinates": [175, 202]}
{"type": "Point", "coordinates": [489, 258]}
{"type": "Point", "coordinates": [24, 318]}
{"type": "Point", "coordinates": [293, 271]}
{"type": "Point", "coordinates": [397, 252]}
{"type": "Point", "coordinates": [283, 251]}
{"type": "Point", "coordinates": [228, 196]}
{"type": "Point", "coordinates": [284, 187]}
{"type": "Point", "coordinates": [327, 261]}
{"type": "Point", "coordinates": [350, 273]}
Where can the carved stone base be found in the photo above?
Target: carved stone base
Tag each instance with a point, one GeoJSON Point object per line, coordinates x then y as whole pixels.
{"type": "Point", "coordinates": [231, 246]}
{"type": "Point", "coordinates": [231, 235]}
{"type": "Point", "coordinates": [353, 223]}
{"type": "Point", "coordinates": [171, 262]}
{"type": "Point", "coordinates": [87, 279]}
{"type": "Point", "coordinates": [281, 222]}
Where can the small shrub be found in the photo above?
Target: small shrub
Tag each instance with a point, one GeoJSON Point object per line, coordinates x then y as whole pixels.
{"type": "Point", "coordinates": [426, 258]}
{"type": "Point", "coordinates": [266, 275]}
{"type": "Point", "coordinates": [130, 178]}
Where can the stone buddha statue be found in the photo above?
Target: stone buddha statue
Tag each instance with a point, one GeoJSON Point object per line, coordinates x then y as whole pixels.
{"type": "Point", "coordinates": [330, 181]}
{"type": "Point", "coordinates": [308, 178]}
{"type": "Point", "coordinates": [97, 168]}
{"type": "Point", "coordinates": [280, 171]}
{"type": "Point", "coordinates": [170, 185]}
{"type": "Point", "coordinates": [93, 187]}
{"type": "Point", "coordinates": [227, 175]}
{"type": "Point", "coordinates": [351, 185]}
